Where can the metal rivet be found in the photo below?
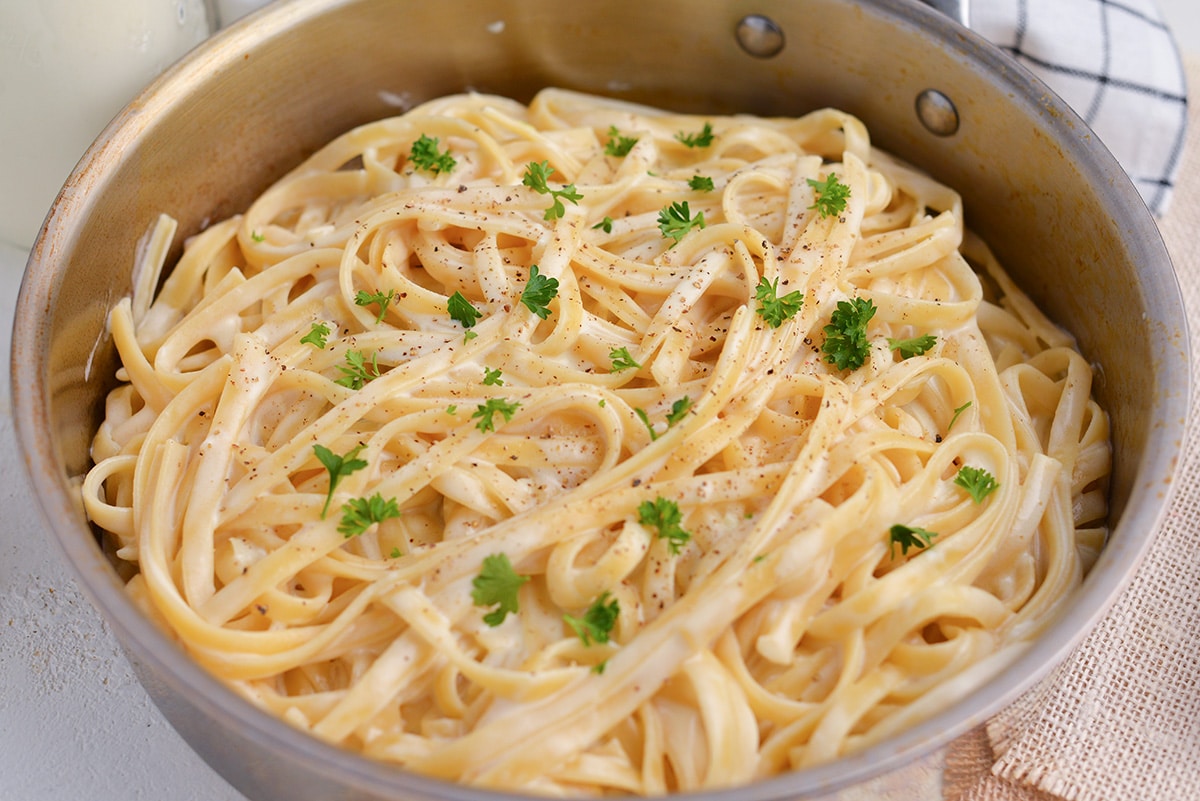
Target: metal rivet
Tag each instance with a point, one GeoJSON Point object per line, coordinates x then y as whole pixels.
{"type": "Point", "coordinates": [759, 36]}
{"type": "Point", "coordinates": [937, 113]}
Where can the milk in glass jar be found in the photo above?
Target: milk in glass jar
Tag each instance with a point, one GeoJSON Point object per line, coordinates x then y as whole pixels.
{"type": "Point", "coordinates": [66, 68]}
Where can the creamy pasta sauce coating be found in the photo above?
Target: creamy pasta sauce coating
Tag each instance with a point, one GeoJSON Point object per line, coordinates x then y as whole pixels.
{"type": "Point", "coordinates": [557, 485]}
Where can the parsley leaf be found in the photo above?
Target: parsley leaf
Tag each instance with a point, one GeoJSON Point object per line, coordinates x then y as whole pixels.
{"type": "Point", "coordinates": [978, 482]}
{"type": "Point", "coordinates": [557, 209]}
{"type": "Point", "coordinates": [497, 585]}
{"type": "Point", "coordinates": [338, 467]}
{"type": "Point", "coordinates": [356, 374]}
{"type": "Point", "coordinates": [364, 298]}
{"type": "Point", "coordinates": [618, 145]}
{"type": "Point", "coordinates": [359, 513]}
{"type": "Point", "coordinates": [536, 175]}
{"type": "Point", "coordinates": [676, 220]}
{"type": "Point", "coordinates": [316, 336]}
{"type": "Point", "coordinates": [679, 410]}
{"type": "Point", "coordinates": [910, 537]}
{"type": "Point", "coordinates": [846, 344]}
{"type": "Point", "coordinates": [539, 291]}
{"type": "Point", "coordinates": [772, 308]}
{"type": "Point", "coordinates": [257, 237]}
{"type": "Point", "coordinates": [830, 196]}
{"type": "Point", "coordinates": [461, 310]}
{"type": "Point", "coordinates": [665, 516]}
{"type": "Point", "coordinates": [622, 360]}
{"type": "Point", "coordinates": [912, 347]}
{"type": "Point", "coordinates": [597, 622]}
{"type": "Point", "coordinates": [604, 225]}
{"type": "Point", "coordinates": [957, 412]}
{"type": "Point", "coordinates": [491, 378]}
{"type": "Point", "coordinates": [701, 183]}
{"type": "Point", "coordinates": [702, 139]}
{"type": "Point", "coordinates": [485, 411]}
{"type": "Point", "coordinates": [645, 418]}
{"type": "Point", "coordinates": [425, 156]}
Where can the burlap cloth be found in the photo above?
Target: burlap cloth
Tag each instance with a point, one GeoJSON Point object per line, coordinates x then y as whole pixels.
{"type": "Point", "coordinates": [1120, 719]}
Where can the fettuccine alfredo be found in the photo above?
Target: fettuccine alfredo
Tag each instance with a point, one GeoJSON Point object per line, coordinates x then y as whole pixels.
{"type": "Point", "coordinates": [582, 447]}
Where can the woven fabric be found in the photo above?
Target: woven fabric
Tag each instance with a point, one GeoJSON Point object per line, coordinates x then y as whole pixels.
{"type": "Point", "coordinates": [1116, 64]}
{"type": "Point", "coordinates": [1120, 719]}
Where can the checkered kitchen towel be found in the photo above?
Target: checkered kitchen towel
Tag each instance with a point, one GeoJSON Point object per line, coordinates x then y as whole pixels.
{"type": "Point", "coordinates": [1116, 64]}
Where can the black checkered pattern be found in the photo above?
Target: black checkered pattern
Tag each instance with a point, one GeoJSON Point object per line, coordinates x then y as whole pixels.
{"type": "Point", "coordinates": [1116, 64]}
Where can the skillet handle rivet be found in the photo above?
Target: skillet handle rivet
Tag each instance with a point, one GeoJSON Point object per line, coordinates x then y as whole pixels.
{"type": "Point", "coordinates": [937, 113]}
{"type": "Point", "coordinates": [759, 36]}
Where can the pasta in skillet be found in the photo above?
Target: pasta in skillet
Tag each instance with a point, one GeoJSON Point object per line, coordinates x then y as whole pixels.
{"type": "Point", "coordinates": [583, 447]}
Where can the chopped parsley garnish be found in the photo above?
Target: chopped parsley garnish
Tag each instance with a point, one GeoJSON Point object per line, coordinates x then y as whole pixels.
{"type": "Point", "coordinates": [487, 410]}
{"type": "Point", "coordinates": [702, 139]}
{"type": "Point", "coordinates": [256, 236]}
{"type": "Point", "coordinates": [978, 482]}
{"type": "Point", "coordinates": [910, 537]}
{"type": "Point", "coordinates": [538, 292]}
{"type": "Point", "coordinates": [622, 360]}
{"type": "Point", "coordinates": [618, 145]}
{"type": "Point", "coordinates": [912, 347]}
{"type": "Point", "coordinates": [676, 220]}
{"type": "Point", "coordinates": [957, 412]}
{"type": "Point", "coordinates": [491, 378]}
{"type": "Point", "coordinates": [604, 225]}
{"type": "Point", "coordinates": [536, 175]}
{"type": "Point", "coordinates": [846, 345]}
{"type": "Point", "coordinates": [395, 554]}
{"type": "Point", "coordinates": [645, 418]}
{"type": "Point", "coordinates": [773, 308]}
{"type": "Point", "coordinates": [356, 373]}
{"type": "Point", "coordinates": [664, 515]}
{"type": "Point", "coordinates": [316, 336]}
{"type": "Point", "coordinates": [679, 410]}
{"type": "Point", "coordinates": [497, 585]}
{"type": "Point", "coordinates": [597, 622]}
{"type": "Point", "coordinates": [461, 310]}
{"type": "Point", "coordinates": [425, 156]}
{"type": "Point", "coordinates": [701, 183]}
{"type": "Point", "coordinates": [359, 513]}
{"type": "Point", "coordinates": [364, 298]}
{"type": "Point", "coordinates": [338, 467]}
{"type": "Point", "coordinates": [831, 196]}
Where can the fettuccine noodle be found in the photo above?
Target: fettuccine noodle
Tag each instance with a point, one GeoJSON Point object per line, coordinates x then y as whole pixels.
{"type": "Point", "coordinates": [779, 620]}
